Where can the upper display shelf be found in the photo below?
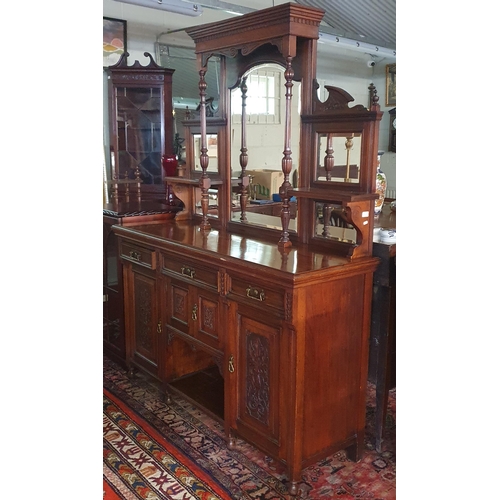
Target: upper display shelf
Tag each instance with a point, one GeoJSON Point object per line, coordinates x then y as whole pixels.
{"type": "Point", "coordinates": [337, 152]}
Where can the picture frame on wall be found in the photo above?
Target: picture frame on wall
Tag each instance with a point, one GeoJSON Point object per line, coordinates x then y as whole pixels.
{"type": "Point", "coordinates": [390, 84]}
{"type": "Point", "coordinates": [114, 40]}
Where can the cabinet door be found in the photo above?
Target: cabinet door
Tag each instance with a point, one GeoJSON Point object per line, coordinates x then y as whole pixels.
{"type": "Point", "coordinates": [140, 125]}
{"type": "Point", "coordinates": [144, 320]}
{"type": "Point", "coordinates": [195, 312]}
{"type": "Point", "coordinates": [180, 306]}
{"type": "Point", "coordinates": [258, 379]}
{"type": "Point", "coordinates": [206, 318]}
{"type": "Point", "coordinates": [114, 330]}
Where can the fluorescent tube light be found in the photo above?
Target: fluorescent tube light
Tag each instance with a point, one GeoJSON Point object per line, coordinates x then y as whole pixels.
{"type": "Point", "coordinates": [355, 45]}
{"type": "Point", "coordinates": [175, 6]}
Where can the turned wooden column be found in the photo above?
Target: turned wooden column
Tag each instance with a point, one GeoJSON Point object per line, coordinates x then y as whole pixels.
{"type": "Point", "coordinates": [329, 158]}
{"type": "Point", "coordinates": [286, 162]}
{"type": "Point", "coordinates": [243, 154]}
{"type": "Point", "coordinates": [204, 179]}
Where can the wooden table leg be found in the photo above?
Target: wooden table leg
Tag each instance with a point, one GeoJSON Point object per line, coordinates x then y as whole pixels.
{"type": "Point", "coordinates": [382, 338]}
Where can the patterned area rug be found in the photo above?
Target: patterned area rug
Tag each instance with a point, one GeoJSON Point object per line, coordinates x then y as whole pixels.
{"type": "Point", "coordinates": [155, 451]}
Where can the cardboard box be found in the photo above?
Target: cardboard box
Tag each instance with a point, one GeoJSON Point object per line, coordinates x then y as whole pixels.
{"type": "Point", "coordinates": [266, 182]}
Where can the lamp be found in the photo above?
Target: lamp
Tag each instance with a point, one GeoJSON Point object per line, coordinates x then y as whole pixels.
{"type": "Point", "coordinates": [176, 6]}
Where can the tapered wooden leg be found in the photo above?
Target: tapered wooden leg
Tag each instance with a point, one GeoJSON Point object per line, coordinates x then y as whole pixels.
{"type": "Point", "coordinates": [231, 442]}
{"type": "Point", "coordinates": [356, 451]}
{"type": "Point", "coordinates": [293, 489]}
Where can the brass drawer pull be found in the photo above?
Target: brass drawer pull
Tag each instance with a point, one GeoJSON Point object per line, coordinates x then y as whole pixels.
{"type": "Point", "coordinates": [231, 364]}
{"type": "Point", "coordinates": [158, 327]}
{"type": "Point", "coordinates": [187, 271]}
{"type": "Point", "coordinates": [194, 313]}
{"type": "Point", "coordinates": [255, 293]}
{"type": "Point", "coordinates": [135, 255]}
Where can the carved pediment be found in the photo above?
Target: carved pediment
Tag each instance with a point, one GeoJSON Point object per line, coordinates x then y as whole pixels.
{"type": "Point", "coordinates": [338, 100]}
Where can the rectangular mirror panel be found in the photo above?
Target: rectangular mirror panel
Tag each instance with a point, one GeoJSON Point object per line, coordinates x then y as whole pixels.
{"type": "Point", "coordinates": [338, 157]}
{"type": "Point", "coordinates": [330, 223]}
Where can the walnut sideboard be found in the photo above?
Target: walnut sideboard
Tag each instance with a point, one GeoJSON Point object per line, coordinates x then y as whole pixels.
{"type": "Point", "coordinates": [287, 330]}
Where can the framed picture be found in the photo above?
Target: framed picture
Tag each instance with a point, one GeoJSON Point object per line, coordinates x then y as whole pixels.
{"type": "Point", "coordinates": [114, 38]}
{"type": "Point", "coordinates": [390, 85]}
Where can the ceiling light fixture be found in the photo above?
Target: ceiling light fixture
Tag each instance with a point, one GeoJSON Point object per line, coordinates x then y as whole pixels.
{"type": "Point", "coordinates": [356, 45]}
{"type": "Point", "coordinates": [176, 6]}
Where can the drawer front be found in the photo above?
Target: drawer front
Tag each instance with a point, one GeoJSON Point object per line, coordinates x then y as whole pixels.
{"type": "Point", "coordinates": [190, 270]}
{"type": "Point", "coordinates": [138, 255]}
{"type": "Point", "coordinates": [256, 293]}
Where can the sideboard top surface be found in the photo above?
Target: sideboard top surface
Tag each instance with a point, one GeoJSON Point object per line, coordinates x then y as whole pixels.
{"type": "Point", "coordinates": [227, 247]}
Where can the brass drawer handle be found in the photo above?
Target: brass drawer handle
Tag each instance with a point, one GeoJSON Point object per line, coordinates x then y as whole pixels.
{"type": "Point", "coordinates": [135, 255]}
{"type": "Point", "coordinates": [187, 271]}
{"type": "Point", "coordinates": [231, 364]}
{"type": "Point", "coordinates": [158, 327]}
{"type": "Point", "coordinates": [194, 313]}
{"type": "Point", "coordinates": [255, 293]}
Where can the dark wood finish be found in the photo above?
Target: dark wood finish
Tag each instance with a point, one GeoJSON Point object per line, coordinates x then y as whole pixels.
{"type": "Point", "coordinates": [286, 325]}
{"type": "Point", "coordinates": [285, 34]}
{"type": "Point", "coordinates": [288, 331]}
{"type": "Point", "coordinates": [141, 128]}
{"type": "Point", "coordinates": [382, 360]}
{"type": "Point", "coordinates": [113, 319]}
{"type": "Point", "coordinates": [127, 214]}
{"type": "Point", "coordinates": [392, 130]}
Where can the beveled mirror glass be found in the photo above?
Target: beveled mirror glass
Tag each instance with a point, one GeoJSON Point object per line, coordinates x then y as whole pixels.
{"type": "Point", "coordinates": [338, 157]}
{"type": "Point", "coordinates": [331, 224]}
{"type": "Point", "coordinates": [213, 201]}
{"type": "Point", "coordinates": [212, 146]}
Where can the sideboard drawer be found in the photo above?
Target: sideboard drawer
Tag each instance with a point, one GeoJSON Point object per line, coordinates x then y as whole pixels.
{"type": "Point", "coordinates": [138, 255]}
{"type": "Point", "coordinates": [190, 270]}
{"type": "Point", "coordinates": [255, 293]}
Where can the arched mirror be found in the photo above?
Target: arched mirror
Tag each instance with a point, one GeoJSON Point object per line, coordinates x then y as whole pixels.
{"type": "Point", "coordinates": [257, 130]}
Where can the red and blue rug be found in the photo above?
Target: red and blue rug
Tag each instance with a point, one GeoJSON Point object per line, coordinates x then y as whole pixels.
{"type": "Point", "coordinates": [155, 451]}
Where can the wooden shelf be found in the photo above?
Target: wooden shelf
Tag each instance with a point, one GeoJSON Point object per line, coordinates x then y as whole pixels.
{"type": "Point", "coordinates": [191, 182]}
{"type": "Point", "coordinates": [324, 195]}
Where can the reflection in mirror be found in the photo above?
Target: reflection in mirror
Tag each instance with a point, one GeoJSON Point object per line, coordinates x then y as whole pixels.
{"type": "Point", "coordinates": [264, 131]}
{"type": "Point", "coordinates": [213, 165]}
{"type": "Point", "coordinates": [213, 201]}
{"type": "Point", "coordinates": [339, 157]}
{"type": "Point", "coordinates": [331, 223]}
{"type": "Point", "coordinates": [185, 90]}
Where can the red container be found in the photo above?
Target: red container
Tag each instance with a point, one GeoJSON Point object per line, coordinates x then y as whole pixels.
{"type": "Point", "coordinates": [169, 163]}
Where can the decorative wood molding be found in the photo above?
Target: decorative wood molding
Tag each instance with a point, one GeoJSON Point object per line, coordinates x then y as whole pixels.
{"type": "Point", "coordinates": [122, 63]}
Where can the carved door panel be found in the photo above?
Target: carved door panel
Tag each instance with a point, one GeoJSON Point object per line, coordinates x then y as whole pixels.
{"type": "Point", "coordinates": [146, 325]}
{"type": "Point", "coordinates": [179, 306]}
{"type": "Point", "coordinates": [195, 312]}
{"type": "Point", "coordinates": [257, 367]}
{"type": "Point", "coordinates": [206, 318]}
